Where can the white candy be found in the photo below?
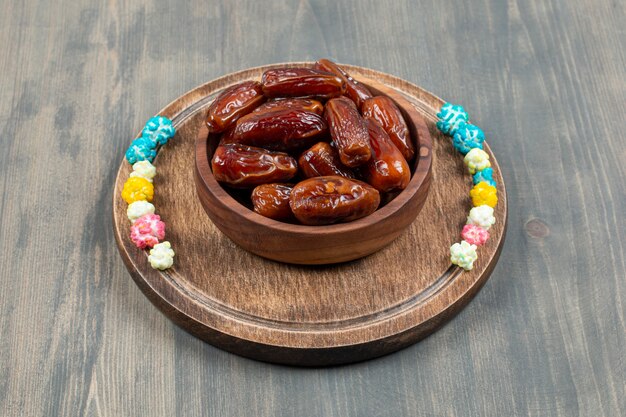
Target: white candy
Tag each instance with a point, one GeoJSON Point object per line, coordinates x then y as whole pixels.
{"type": "Point", "coordinates": [143, 169]}
{"type": "Point", "coordinates": [138, 209]}
{"type": "Point", "coordinates": [481, 216]}
{"type": "Point", "coordinates": [161, 256]}
{"type": "Point", "coordinates": [463, 254]}
{"type": "Point", "coordinates": [476, 160]}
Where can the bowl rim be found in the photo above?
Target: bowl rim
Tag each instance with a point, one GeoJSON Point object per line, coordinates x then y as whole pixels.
{"type": "Point", "coordinates": [420, 178]}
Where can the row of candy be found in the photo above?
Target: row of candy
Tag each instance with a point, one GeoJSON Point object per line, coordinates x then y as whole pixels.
{"type": "Point", "coordinates": [147, 229]}
{"type": "Point", "coordinates": [468, 140]}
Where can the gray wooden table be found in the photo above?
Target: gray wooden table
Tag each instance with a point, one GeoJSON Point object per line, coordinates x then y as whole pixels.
{"type": "Point", "coordinates": [544, 79]}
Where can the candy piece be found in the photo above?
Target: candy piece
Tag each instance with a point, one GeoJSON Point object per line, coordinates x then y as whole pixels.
{"type": "Point", "coordinates": [467, 137]}
{"type": "Point", "coordinates": [450, 117]}
{"type": "Point", "coordinates": [137, 188]}
{"type": "Point", "coordinates": [484, 194]}
{"type": "Point", "coordinates": [463, 254]}
{"type": "Point", "coordinates": [161, 256]}
{"type": "Point", "coordinates": [159, 124]}
{"type": "Point", "coordinates": [143, 169]}
{"type": "Point", "coordinates": [481, 216]}
{"type": "Point", "coordinates": [138, 209]}
{"type": "Point", "coordinates": [147, 231]}
{"type": "Point", "coordinates": [141, 149]}
{"type": "Point", "coordinates": [474, 234]}
{"type": "Point", "coordinates": [157, 137]}
{"type": "Point", "coordinates": [476, 160]}
{"type": "Point", "coordinates": [486, 175]}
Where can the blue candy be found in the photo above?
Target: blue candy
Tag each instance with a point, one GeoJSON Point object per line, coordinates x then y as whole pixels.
{"type": "Point", "coordinates": [450, 117]}
{"type": "Point", "coordinates": [467, 137]}
{"type": "Point", "coordinates": [159, 124]}
{"type": "Point", "coordinates": [157, 137]}
{"type": "Point", "coordinates": [486, 175]}
{"type": "Point", "coordinates": [141, 149]}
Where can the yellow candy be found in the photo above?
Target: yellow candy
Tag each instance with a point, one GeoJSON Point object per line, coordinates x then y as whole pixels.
{"type": "Point", "coordinates": [484, 194]}
{"type": "Point", "coordinates": [137, 189]}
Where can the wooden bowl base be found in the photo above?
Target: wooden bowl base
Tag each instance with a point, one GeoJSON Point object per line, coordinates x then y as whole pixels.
{"type": "Point", "coordinates": [308, 315]}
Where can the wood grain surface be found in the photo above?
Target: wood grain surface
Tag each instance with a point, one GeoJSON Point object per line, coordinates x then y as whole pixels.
{"type": "Point", "coordinates": [545, 336]}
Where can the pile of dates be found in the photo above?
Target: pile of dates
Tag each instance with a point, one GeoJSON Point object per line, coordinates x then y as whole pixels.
{"type": "Point", "coordinates": [314, 145]}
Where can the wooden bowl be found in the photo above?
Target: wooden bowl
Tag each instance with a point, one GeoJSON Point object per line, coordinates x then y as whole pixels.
{"type": "Point", "coordinates": [299, 244]}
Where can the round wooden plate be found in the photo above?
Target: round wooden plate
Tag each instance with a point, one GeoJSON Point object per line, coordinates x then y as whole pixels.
{"type": "Point", "coordinates": [308, 315]}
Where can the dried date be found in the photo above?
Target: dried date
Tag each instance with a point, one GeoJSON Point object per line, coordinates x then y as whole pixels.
{"type": "Point", "coordinates": [332, 199]}
{"type": "Point", "coordinates": [305, 104]}
{"type": "Point", "coordinates": [349, 131]}
{"type": "Point", "coordinates": [272, 200]}
{"type": "Point", "coordinates": [322, 159]}
{"type": "Point", "coordinates": [282, 129]}
{"type": "Point", "coordinates": [387, 171]}
{"type": "Point", "coordinates": [227, 136]}
{"type": "Point", "coordinates": [232, 104]}
{"type": "Point", "coordinates": [384, 111]}
{"type": "Point", "coordinates": [356, 91]}
{"type": "Point", "coordinates": [301, 82]}
{"type": "Point", "coordinates": [243, 166]}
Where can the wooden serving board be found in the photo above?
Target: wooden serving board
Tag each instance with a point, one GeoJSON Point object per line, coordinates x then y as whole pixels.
{"type": "Point", "coordinates": [305, 315]}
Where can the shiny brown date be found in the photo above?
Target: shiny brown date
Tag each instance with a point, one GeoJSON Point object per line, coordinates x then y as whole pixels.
{"type": "Point", "coordinates": [227, 136]}
{"type": "Point", "coordinates": [384, 111]}
{"type": "Point", "coordinates": [281, 130]}
{"type": "Point", "coordinates": [243, 166]}
{"type": "Point", "coordinates": [305, 104]}
{"type": "Point", "coordinates": [332, 199]}
{"type": "Point", "coordinates": [354, 89]}
{"type": "Point", "coordinates": [387, 170]}
{"type": "Point", "coordinates": [322, 159]}
{"type": "Point", "coordinates": [349, 131]}
{"type": "Point", "coordinates": [301, 82]}
{"type": "Point", "coordinates": [272, 200]}
{"type": "Point", "coordinates": [232, 104]}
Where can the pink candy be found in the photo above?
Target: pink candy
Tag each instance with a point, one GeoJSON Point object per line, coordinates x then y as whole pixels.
{"type": "Point", "coordinates": [474, 235]}
{"type": "Point", "coordinates": [147, 231]}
